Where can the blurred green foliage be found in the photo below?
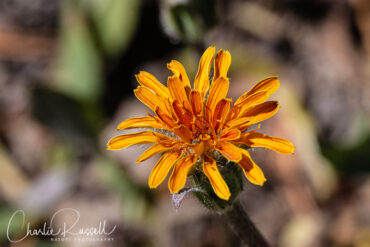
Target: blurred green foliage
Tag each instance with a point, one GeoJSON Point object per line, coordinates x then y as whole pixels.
{"type": "Point", "coordinates": [62, 114]}
{"type": "Point", "coordinates": [351, 159]}
{"type": "Point", "coordinates": [91, 30]}
{"type": "Point", "coordinates": [115, 22]}
{"type": "Point", "coordinates": [78, 67]}
{"type": "Point", "coordinates": [189, 20]}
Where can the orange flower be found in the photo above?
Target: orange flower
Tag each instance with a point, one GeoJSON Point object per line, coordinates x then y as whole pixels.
{"type": "Point", "coordinates": [197, 128]}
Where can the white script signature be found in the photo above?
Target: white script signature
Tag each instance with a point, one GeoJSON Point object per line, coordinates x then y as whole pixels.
{"type": "Point", "coordinates": [64, 230]}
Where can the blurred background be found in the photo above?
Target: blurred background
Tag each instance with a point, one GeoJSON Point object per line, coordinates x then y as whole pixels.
{"type": "Point", "coordinates": [67, 78]}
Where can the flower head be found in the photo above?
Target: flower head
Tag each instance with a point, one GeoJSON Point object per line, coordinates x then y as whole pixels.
{"type": "Point", "coordinates": [201, 124]}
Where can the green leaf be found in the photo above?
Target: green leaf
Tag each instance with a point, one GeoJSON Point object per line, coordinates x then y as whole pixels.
{"type": "Point", "coordinates": [115, 21]}
{"type": "Point", "coordinates": [78, 65]}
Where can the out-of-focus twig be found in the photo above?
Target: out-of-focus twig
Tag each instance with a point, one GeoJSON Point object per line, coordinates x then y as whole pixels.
{"type": "Point", "coordinates": [21, 46]}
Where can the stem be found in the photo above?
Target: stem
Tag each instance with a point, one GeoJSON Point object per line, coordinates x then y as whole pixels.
{"type": "Point", "coordinates": [244, 227]}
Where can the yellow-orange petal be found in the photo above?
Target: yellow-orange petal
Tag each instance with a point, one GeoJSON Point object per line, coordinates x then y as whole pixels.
{"type": "Point", "coordinates": [148, 80]}
{"type": "Point", "coordinates": [255, 139]}
{"type": "Point", "coordinates": [220, 113]}
{"type": "Point", "coordinates": [229, 150]}
{"type": "Point", "coordinates": [183, 115]}
{"type": "Point", "coordinates": [149, 98]}
{"type": "Point", "coordinates": [269, 85]}
{"type": "Point", "coordinates": [198, 148]}
{"type": "Point", "coordinates": [237, 122]}
{"type": "Point", "coordinates": [123, 141]}
{"type": "Point", "coordinates": [179, 71]}
{"type": "Point", "coordinates": [165, 140]}
{"type": "Point", "coordinates": [196, 102]}
{"type": "Point", "coordinates": [168, 120]}
{"type": "Point", "coordinates": [232, 134]}
{"type": "Point", "coordinates": [253, 173]}
{"type": "Point", "coordinates": [222, 64]}
{"type": "Point", "coordinates": [180, 172]}
{"type": "Point", "coordinates": [218, 91]}
{"type": "Point", "coordinates": [252, 100]}
{"type": "Point", "coordinates": [162, 168]}
{"type": "Point", "coordinates": [218, 183]}
{"type": "Point", "coordinates": [177, 90]}
{"type": "Point", "coordinates": [241, 98]}
{"type": "Point", "coordinates": [153, 150]}
{"type": "Point", "coordinates": [254, 115]}
{"type": "Point", "coordinates": [201, 82]}
{"type": "Point", "coordinates": [261, 112]}
{"type": "Point", "coordinates": [141, 122]}
{"type": "Point", "coordinates": [183, 132]}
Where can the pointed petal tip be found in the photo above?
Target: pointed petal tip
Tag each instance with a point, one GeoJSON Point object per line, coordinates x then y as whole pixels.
{"type": "Point", "coordinates": [225, 197]}
{"type": "Point", "coordinates": [224, 51]}
{"type": "Point", "coordinates": [172, 190]}
{"type": "Point", "coordinates": [292, 151]}
{"type": "Point", "coordinates": [170, 63]}
{"type": "Point", "coordinates": [111, 148]}
{"type": "Point", "coordinates": [151, 186]}
{"type": "Point", "coordinates": [137, 76]}
{"type": "Point", "coordinates": [262, 183]}
{"type": "Point", "coordinates": [107, 145]}
{"type": "Point", "coordinates": [211, 48]}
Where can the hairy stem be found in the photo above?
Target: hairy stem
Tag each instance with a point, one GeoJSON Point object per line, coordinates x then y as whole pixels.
{"type": "Point", "coordinates": [244, 227]}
